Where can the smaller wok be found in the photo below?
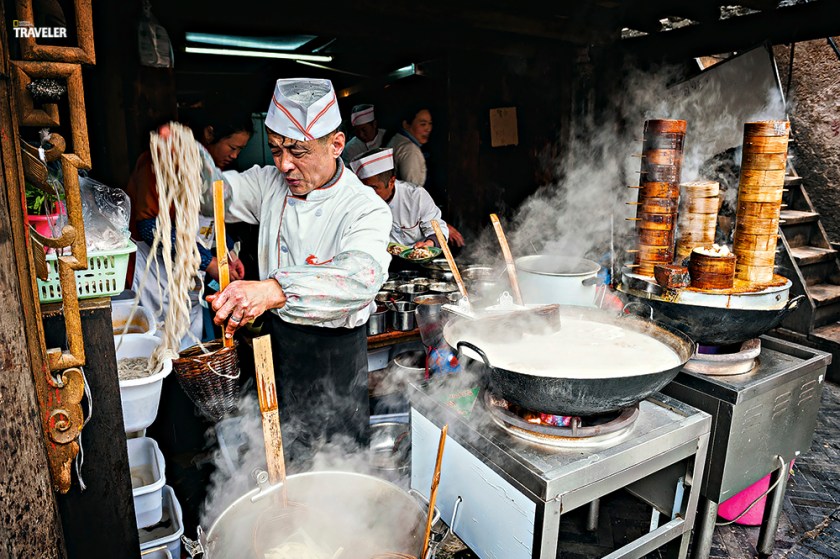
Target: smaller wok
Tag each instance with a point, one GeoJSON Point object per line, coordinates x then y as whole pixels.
{"type": "Point", "coordinates": [567, 395]}
{"type": "Point", "coordinates": [717, 326]}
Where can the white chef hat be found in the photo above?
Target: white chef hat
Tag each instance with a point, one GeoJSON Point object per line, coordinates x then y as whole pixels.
{"type": "Point", "coordinates": [362, 114]}
{"type": "Point", "coordinates": [303, 109]}
{"type": "Point", "coordinates": [371, 164]}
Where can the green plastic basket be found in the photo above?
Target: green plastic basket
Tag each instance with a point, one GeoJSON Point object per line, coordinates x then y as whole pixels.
{"type": "Point", "coordinates": [104, 277]}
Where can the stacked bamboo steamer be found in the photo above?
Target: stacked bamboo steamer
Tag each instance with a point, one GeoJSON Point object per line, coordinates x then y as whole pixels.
{"type": "Point", "coordinates": [659, 193]}
{"type": "Point", "coordinates": [760, 199]}
{"type": "Point", "coordinates": [699, 203]}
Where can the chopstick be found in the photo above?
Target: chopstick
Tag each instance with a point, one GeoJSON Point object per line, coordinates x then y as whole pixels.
{"type": "Point", "coordinates": [221, 244]}
{"type": "Point", "coordinates": [511, 267]}
{"type": "Point", "coordinates": [449, 259]}
{"type": "Point", "coordinates": [267, 392]}
{"type": "Point", "coordinates": [433, 493]}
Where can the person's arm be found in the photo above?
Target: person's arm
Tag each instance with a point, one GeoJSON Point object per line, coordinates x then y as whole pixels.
{"type": "Point", "coordinates": [428, 211]}
{"type": "Point", "coordinates": [348, 283]}
{"type": "Point", "coordinates": [243, 191]}
{"type": "Point", "coordinates": [146, 228]}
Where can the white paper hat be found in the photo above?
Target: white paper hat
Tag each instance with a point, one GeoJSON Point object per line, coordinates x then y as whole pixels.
{"type": "Point", "coordinates": [366, 166]}
{"type": "Point", "coordinates": [362, 114]}
{"type": "Point", "coordinates": [303, 109]}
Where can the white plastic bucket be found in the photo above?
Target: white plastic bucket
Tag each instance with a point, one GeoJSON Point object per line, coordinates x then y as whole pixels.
{"type": "Point", "coordinates": [156, 553]}
{"type": "Point", "coordinates": [147, 466]}
{"type": "Point", "coordinates": [140, 397]}
{"type": "Point", "coordinates": [545, 279]}
{"type": "Point", "coordinates": [170, 529]}
{"type": "Point", "coordinates": [143, 321]}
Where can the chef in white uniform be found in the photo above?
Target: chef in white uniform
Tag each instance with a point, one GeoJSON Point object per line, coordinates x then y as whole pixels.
{"type": "Point", "coordinates": [322, 256]}
{"type": "Point", "coordinates": [412, 207]}
{"type": "Point", "coordinates": [367, 134]}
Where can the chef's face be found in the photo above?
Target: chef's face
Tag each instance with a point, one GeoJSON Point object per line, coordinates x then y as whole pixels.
{"type": "Point", "coordinates": [420, 127]}
{"type": "Point", "coordinates": [384, 190]}
{"type": "Point", "coordinates": [306, 165]}
{"type": "Point", "coordinates": [226, 150]}
{"type": "Point", "coordinates": [366, 132]}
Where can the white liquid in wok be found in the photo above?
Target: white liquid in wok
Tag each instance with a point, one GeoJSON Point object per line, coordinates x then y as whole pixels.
{"type": "Point", "coordinates": [582, 349]}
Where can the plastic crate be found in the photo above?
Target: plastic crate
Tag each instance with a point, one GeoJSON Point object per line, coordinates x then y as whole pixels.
{"type": "Point", "coordinates": [104, 277]}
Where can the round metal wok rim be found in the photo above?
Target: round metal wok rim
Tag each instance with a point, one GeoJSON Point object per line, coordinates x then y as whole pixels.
{"type": "Point", "coordinates": [526, 264]}
{"type": "Point", "coordinates": [684, 348]}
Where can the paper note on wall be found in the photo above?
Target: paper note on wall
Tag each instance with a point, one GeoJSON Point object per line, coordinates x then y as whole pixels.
{"type": "Point", "coordinates": [503, 130]}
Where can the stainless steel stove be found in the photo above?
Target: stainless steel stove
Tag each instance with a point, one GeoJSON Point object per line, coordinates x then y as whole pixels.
{"type": "Point", "coordinates": [510, 493]}
{"type": "Point", "coordinates": [762, 420]}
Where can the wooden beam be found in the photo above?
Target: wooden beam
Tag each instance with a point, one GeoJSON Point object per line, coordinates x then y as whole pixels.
{"type": "Point", "coordinates": [804, 22]}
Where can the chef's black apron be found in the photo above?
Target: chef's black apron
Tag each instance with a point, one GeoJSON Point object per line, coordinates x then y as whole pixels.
{"type": "Point", "coordinates": [322, 386]}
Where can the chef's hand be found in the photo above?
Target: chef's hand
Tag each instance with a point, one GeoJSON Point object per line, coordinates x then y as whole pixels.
{"type": "Point", "coordinates": [243, 301]}
{"type": "Point", "coordinates": [455, 237]}
{"type": "Point", "coordinates": [423, 244]}
{"type": "Point", "coordinates": [212, 269]}
{"type": "Point", "coordinates": [237, 270]}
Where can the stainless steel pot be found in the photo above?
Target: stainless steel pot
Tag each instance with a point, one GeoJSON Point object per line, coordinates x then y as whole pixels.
{"type": "Point", "coordinates": [385, 296]}
{"type": "Point", "coordinates": [442, 287]}
{"type": "Point", "coordinates": [430, 318]}
{"type": "Point", "coordinates": [485, 284]}
{"type": "Point", "coordinates": [412, 289]}
{"type": "Point", "coordinates": [363, 514]}
{"type": "Point", "coordinates": [402, 315]}
{"type": "Point", "coordinates": [389, 286]}
{"type": "Point", "coordinates": [378, 321]}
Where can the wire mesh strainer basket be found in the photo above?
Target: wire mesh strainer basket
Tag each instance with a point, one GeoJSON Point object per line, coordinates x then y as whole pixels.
{"type": "Point", "coordinates": [209, 374]}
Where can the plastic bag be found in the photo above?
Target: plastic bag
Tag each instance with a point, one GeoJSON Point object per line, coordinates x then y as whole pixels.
{"type": "Point", "coordinates": [153, 44]}
{"type": "Point", "coordinates": [106, 211]}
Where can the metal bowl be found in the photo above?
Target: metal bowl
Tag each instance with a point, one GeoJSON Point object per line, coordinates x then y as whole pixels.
{"type": "Point", "coordinates": [385, 296]}
{"type": "Point", "coordinates": [390, 446]}
{"type": "Point", "coordinates": [440, 264]}
{"type": "Point", "coordinates": [442, 287]}
{"type": "Point", "coordinates": [421, 281]}
{"type": "Point", "coordinates": [408, 275]}
{"type": "Point", "coordinates": [389, 286]}
{"type": "Point", "coordinates": [412, 289]}
{"type": "Point", "coordinates": [442, 275]}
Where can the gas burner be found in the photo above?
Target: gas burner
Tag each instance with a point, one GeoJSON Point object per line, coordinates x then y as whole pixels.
{"type": "Point", "coordinates": [592, 431]}
{"type": "Point", "coordinates": [736, 359]}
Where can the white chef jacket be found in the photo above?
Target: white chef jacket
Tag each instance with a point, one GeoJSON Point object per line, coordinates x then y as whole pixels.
{"type": "Point", "coordinates": [409, 163]}
{"type": "Point", "coordinates": [327, 251]}
{"type": "Point", "coordinates": [413, 210]}
{"type": "Point", "coordinates": [355, 147]}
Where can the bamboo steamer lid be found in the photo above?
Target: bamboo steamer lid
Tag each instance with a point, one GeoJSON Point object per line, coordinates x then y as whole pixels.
{"type": "Point", "coordinates": [659, 190]}
{"type": "Point", "coordinates": [700, 189]}
{"type": "Point", "coordinates": [665, 126]}
{"type": "Point", "coordinates": [662, 156]}
{"type": "Point", "coordinates": [766, 144]}
{"type": "Point", "coordinates": [702, 205]}
{"type": "Point", "coordinates": [764, 161]}
{"type": "Point", "coordinates": [743, 243]}
{"type": "Point", "coordinates": [767, 128]}
{"type": "Point", "coordinates": [759, 209]}
{"type": "Point", "coordinates": [655, 237]}
{"type": "Point", "coordinates": [762, 178]}
{"type": "Point", "coordinates": [754, 274]}
{"type": "Point", "coordinates": [767, 195]}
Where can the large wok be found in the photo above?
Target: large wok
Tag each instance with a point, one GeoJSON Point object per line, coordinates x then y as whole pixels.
{"type": "Point", "coordinates": [566, 396]}
{"type": "Point", "coordinates": [716, 326]}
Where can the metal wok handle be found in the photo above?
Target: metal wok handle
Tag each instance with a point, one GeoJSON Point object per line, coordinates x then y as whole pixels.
{"type": "Point", "coordinates": [425, 502]}
{"type": "Point", "coordinates": [590, 281]}
{"type": "Point", "coordinates": [196, 547]}
{"type": "Point", "coordinates": [475, 349]}
{"type": "Point", "coordinates": [631, 303]}
{"type": "Point", "coordinates": [793, 303]}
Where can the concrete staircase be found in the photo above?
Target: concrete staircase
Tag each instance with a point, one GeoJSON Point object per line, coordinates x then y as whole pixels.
{"type": "Point", "coordinates": [809, 261]}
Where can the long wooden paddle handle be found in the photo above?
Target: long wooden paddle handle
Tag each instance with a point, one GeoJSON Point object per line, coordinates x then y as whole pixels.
{"type": "Point", "coordinates": [221, 242]}
{"type": "Point", "coordinates": [448, 254]}
{"type": "Point", "coordinates": [511, 267]}
{"type": "Point", "coordinates": [433, 492]}
{"type": "Point", "coordinates": [267, 392]}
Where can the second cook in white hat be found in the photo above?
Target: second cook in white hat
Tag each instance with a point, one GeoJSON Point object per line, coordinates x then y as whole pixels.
{"type": "Point", "coordinates": [366, 132]}
{"type": "Point", "coordinates": [412, 207]}
{"type": "Point", "coordinates": [322, 257]}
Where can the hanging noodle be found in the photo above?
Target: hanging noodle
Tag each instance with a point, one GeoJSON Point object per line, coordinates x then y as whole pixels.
{"type": "Point", "coordinates": [177, 164]}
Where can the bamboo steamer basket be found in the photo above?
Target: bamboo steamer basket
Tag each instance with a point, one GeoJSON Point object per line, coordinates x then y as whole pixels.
{"type": "Point", "coordinates": [771, 128]}
{"type": "Point", "coordinates": [750, 225]}
{"type": "Point", "coordinates": [766, 195]}
{"type": "Point", "coordinates": [745, 243]}
{"type": "Point", "coordinates": [662, 156]}
{"type": "Point", "coordinates": [700, 189]}
{"type": "Point", "coordinates": [659, 205]}
{"type": "Point", "coordinates": [656, 221]}
{"type": "Point", "coordinates": [655, 237]}
{"type": "Point", "coordinates": [764, 210]}
{"type": "Point", "coordinates": [660, 173]}
{"type": "Point", "coordinates": [701, 205]}
{"type": "Point", "coordinates": [762, 178]}
{"type": "Point", "coordinates": [754, 274]}
{"type": "Point", "coordinates": [697, 223]}
{"type": "Point", "coordinates": [757, 258]}
{"type": "Point", "coordinates": [711, 272]}
{"type": "Point", "coordinates": [654, 253]}
{"type": "Point", "coordinates": [658, 190]}
{"type": "Point", "coordinates": [766, 144]}
{"type": "Point", "coordinates": [665, 126]}
{"type": "Point", "coordinates": [764, 161]}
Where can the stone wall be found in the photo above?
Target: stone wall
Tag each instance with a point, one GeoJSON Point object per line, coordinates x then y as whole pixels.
{"type": "Point", "coordinates": [814, 108]}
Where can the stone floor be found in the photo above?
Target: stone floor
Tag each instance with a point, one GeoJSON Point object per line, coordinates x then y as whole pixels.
{"type": "Point", "coordinates": [809, 527]}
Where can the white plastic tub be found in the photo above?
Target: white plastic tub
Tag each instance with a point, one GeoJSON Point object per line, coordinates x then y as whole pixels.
{"type": "Point", "coordinates": [140, 397]}
{"type": "Point", "coordinates": [147, 480]}
{"type": "Point", "coordinates": [156, 553]}
{"type": "Point", "coordinates": [169, 530]}
{"type": "Point", "coordinates": [143, 322]}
